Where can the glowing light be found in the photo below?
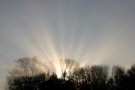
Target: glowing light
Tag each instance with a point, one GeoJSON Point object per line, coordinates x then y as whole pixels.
{"type": "Point", "coordinates": [51, 42]}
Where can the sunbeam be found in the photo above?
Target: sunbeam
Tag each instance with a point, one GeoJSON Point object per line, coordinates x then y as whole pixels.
{"type": "Point", "coordinates": [88, 32]}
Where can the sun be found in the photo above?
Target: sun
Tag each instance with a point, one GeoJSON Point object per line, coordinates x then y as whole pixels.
{"type": "Point", "coordinates": [64, 67]}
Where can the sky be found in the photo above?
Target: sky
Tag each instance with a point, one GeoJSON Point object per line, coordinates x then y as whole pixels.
{"type": "Point", "coordinates": [88, 31]}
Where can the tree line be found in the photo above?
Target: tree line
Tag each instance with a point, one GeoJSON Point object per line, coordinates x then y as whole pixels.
{"type": "Point", "coordinates": [97, 77]}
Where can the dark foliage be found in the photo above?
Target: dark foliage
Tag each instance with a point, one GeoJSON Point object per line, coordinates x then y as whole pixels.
{"type": "Point", "coordinates": [87, 78]}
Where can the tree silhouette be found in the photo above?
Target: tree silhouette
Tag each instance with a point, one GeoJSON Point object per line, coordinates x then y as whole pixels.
{"type": "Point", "coordinates": [79, 78]}
{"type": "Point", "coordinates": [99, 76]}
{"type": "Point", "coordinates": [110, 84]}
{"type": "Point", "coordinates": [68, 66]}
{"type": "Point", "coordinates": [119, 75]}
{"type": "Point", "coordinates": [131, 77]}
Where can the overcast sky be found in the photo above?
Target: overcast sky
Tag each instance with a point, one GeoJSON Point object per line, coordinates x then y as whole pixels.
{"type": "Point", "coordinates": [89, 31]}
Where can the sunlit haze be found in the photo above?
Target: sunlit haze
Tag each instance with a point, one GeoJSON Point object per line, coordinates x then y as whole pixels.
{"type": "Point", "coordinates": [87, 31]}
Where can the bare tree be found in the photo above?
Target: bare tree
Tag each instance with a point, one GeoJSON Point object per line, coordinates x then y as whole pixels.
{"type": "Point", "coordinates": [98, 76]}
{"type": "Point", "coordinates": [69, 67]}
{"type": "Point", "coordinates": [29, 66]}
{"type": "Point", "coordinates": [23, 64]}
{"type": "Point", "coordinates": [119, 75]}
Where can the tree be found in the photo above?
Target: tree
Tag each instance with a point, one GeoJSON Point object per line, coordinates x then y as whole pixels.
{"type": "Point", "coordinates": [68, 67]}
{"type": "Point", "coordinates": [131, 77]}
{"type": "Point", "coordinates": [99, 76]}
{"type": "Point", "coordinates": [29, 67]}
{"type": "Point", "coordinates": [119, 76]}
{"type": "Point", "coordinates": [96, 77]}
